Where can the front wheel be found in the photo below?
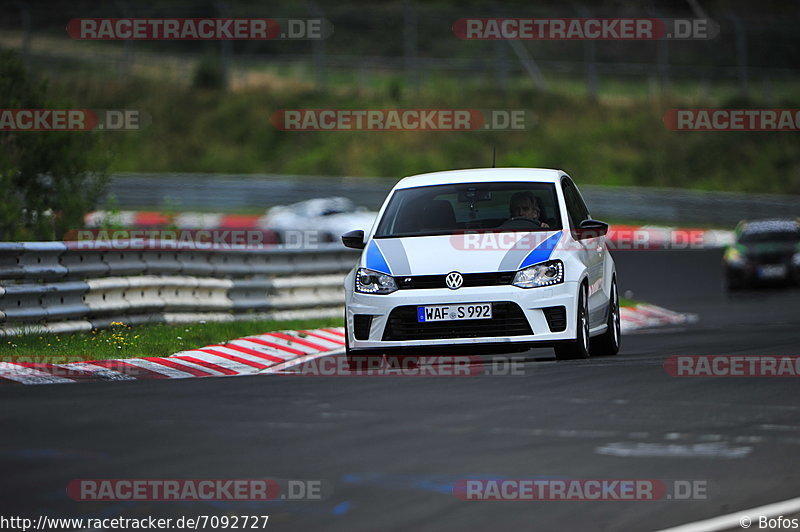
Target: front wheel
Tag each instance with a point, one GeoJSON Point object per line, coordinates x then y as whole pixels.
{"type": "Point", "coordinates": [733, 283]}
{"type": "Point", "coordinates": [579, 348]}
{"type": "Point", "coordinates": [608, 343]}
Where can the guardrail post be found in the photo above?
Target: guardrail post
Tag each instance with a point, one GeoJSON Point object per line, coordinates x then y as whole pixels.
{"type": "Point", "coordinates": [126, 65]}
{"type": "Point", "coordinates": [226, 49]}
{"type": "Point", "coordinates": [410, 44]}
{"type": "Point", "coordinates": [318, 50]}
{"type": "Point", "coordinates": [741, 53]}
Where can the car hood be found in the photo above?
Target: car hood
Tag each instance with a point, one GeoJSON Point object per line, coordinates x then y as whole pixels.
{"type": "Point", "coordinates": [465, 253]}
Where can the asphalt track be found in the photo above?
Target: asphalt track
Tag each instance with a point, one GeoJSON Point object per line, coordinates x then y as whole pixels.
{"type": "Point", "coordinates": [390, 448]}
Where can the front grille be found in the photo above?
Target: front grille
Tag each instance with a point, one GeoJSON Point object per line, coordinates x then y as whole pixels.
{"type": "Point", "coordinates": [507, 320]}
{"type": "Point", "coordinates": [556, 318]}
{"type": "Point", "coordinates": [415, 282]}
{"type": "Point", "coordinates": [772, 258]}
{"type": "Point", "coordinates": [361, 325]}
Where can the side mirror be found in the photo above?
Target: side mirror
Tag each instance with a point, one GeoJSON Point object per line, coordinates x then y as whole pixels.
{"type": "Point", "coordinates": [590, 229]}
{"type": "Point", "coordinates": [354, 239]}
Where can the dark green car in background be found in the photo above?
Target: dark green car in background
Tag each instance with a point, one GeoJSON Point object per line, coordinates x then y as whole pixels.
{"type": "Point", "coordinates": [764, 252]}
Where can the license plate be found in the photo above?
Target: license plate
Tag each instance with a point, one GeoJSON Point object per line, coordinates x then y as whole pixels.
{"type": "Point", "coordinates": [773, 271]}
{"type": "Point", "coordinates": [479, 311]}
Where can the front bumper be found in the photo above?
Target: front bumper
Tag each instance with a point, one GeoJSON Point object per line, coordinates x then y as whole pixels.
{"type": "Point", "coordinates": [751, 272]}
{"type": "Point", "coordinates": [532, 301]}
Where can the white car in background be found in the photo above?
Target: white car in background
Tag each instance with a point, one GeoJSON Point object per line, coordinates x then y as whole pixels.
{"type": "Point", "coordinates": [451, 263]}
{"type": "Point", "coordinates": [330, 217]}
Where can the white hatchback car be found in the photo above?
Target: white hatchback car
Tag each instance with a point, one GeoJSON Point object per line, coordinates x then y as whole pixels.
{"type": "Point", "coordinates": [494, 260]}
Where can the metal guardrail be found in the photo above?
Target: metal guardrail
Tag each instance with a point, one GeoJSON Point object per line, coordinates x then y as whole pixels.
{"type": "Point", "coordinates": [73, 286]}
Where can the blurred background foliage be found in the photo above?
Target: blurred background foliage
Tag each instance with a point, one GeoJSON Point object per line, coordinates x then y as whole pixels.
{"type": "Point", "coordinates": [597, 111]}
{"type": "Point", "coordinates": [47, 180]}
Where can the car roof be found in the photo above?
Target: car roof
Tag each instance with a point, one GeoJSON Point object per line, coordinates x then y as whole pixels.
{"type": "Point", "coordinates": [479, 175]}
{"type": "Point", "coordinates": [769, 225]}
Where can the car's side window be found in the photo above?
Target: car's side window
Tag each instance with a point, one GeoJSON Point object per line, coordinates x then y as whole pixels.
{"type": "Point", "coordinates": [576, 209]}
{"type": "Point", "coordinates": [581, 205]}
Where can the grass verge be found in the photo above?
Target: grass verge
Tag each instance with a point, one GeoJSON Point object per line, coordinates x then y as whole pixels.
{"type": "Point", "coordinates": [123, 341]}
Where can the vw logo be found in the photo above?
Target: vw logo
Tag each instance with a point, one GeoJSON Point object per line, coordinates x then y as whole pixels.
{"type": "Point", "coordinates": [454, 280]}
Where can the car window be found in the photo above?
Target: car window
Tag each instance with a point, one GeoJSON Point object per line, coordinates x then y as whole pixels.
{"type": "Point", "coordinates": [584, 210]}
{"type": "Point", "coordinates": [770, 236]}
{"type": "Point", "coordinates": [576, 208]}
{"type": "Point", "coordinates": [449, 209]}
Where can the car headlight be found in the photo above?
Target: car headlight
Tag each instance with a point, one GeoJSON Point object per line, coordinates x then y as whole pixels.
{"type": "Point", "coordinates": [372, 282]}
{"type": "Point", "coordinates": [542, 274]}
{"type": "Point", "coordinates": [796, 259]}
{"type": "Point", "coordinates": [734, 257]}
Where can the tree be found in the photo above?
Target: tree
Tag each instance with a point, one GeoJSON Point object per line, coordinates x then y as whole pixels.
{"type": "Point", "coordinates": [46, 183]}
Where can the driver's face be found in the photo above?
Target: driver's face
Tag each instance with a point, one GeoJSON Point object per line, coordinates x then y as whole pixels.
{"type": "Point", "coordinates": [524, 209]}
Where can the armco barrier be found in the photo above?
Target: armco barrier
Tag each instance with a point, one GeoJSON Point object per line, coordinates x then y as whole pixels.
{"type": "Point", "coordinates": [70, 286]}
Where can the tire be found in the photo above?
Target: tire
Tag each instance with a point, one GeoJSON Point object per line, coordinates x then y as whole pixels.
{"type": "Point", "coordinates": [734, 285]}
{"type": "Point", "coordinates": [578, 348]}
{"type": "Point", "coordinates": [607, 344]}
{"type": "Point", "coordinates": [734, 280]}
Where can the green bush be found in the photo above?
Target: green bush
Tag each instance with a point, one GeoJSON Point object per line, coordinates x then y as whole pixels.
{"type": "Point", "coordinates": [46, 185]}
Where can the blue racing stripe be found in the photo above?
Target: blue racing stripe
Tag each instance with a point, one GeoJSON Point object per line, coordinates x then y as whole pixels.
{"type": "Point", "coordinates": [541, 253]}
{"type": "Point", "coordinates": [375, 260]}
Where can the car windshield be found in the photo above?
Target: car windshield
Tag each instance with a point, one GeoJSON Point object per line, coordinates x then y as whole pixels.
{"type": "Point", "coordinates": [770, 236]}
{"type": "Point", "coordinates": [450, 209]}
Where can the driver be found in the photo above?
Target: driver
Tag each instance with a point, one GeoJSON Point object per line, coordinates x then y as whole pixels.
{"type": "Point", "coordinates": [524, 205]}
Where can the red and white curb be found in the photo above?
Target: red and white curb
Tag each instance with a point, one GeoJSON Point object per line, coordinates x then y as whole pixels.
{"type": "Point", "coordinates": [645, 316]}
{"type": "Point", "coordinates": [267, 353]}
{"type": "Point", "coordinates": [244, 356]}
